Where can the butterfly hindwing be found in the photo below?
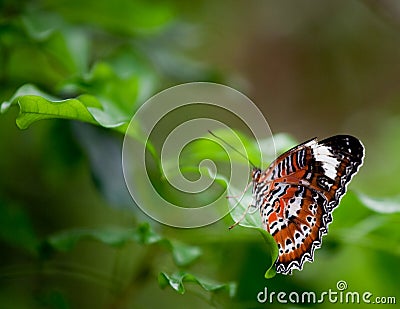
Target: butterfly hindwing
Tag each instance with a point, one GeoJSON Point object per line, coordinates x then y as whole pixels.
{"type": "Point", "coordinates": [297, 219]}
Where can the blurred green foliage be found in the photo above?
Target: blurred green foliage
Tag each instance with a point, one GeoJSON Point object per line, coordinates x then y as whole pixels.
{"type": "Point", "coordinates": [69, 236]}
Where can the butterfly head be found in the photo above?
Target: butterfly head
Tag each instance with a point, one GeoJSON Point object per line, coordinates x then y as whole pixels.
{"type": "Point", "coordinates": [255, 174]}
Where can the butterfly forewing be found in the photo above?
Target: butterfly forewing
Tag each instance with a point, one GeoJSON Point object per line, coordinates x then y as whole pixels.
{"type": "Point", "coordinates": [297, 193]}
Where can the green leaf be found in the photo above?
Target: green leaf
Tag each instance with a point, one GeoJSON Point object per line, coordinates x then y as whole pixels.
{"type": "Point", "coordinates": [34, 108]}
{"type": "Point", "coordinates": [182, 254]}
{"type": "Point", "coordinates": [385, 205]}
{"type": "Point", "coordinates": [176, 282]}
{"type": "Point", "coordinates": [212, 148]}
{"type": "Point", "coordinates": [86, 108]}
{"type": "Point", "coordinates": [24, 90]}
{"type": "Point", "coordinates": [274, 252]}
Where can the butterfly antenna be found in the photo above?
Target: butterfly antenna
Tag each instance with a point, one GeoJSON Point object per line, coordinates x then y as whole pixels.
{"type": "Point", "coordinates": [233, 148]}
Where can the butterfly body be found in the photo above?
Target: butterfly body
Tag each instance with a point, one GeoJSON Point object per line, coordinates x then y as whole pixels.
{"type": "Point", "coordinates": [297, 193]}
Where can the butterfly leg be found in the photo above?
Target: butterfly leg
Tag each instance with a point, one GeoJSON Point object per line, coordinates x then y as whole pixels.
{"type": "Point", "coordinates": [233, 196]}
{"type": "Point", "coordinates": [255, 208]}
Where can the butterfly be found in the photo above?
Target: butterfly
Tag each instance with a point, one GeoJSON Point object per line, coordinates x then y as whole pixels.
{"type": "Point", "coordinates": [298, 192]}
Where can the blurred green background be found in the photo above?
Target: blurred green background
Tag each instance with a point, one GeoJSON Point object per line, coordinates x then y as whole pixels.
{"type": "Point", "coordinates": [70, 236]}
